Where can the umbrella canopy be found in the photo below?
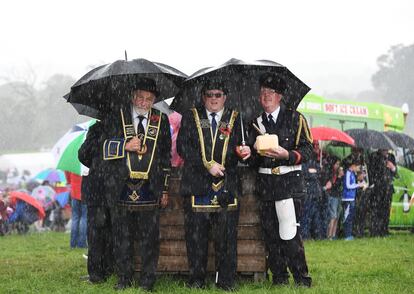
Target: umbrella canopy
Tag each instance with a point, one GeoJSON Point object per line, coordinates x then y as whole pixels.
{"type": "Point", "coordinates": [110, 85]}
{"type": "Point", "coordinates": [330, 134]}
{"type": "Point", "coordinates": [366, 139]}
{"type": "Point", "coordinates": [62, 198]}
{"type": "Point", "coordinates": [400, 139]}
{"type": "Point", "coordinates": [14, 195]}
{"type": "Point", "coordinates": [242, 82]}
{"type": "Point", "coordinates": [45, 195]}
{"type": "Point", "coordinates": [51, 175]}
{"type": "Point", "coordinates": [66, 149]}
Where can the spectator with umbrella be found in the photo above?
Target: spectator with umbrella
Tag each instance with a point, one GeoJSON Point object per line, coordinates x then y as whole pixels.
{"type": "Point", "coordinates": [350, 186]}
{"type": "Point", "coordinates": [100, 263]}
{"type": "Point", "coordinates": [332, 185]}
{"type": "Point", "coordinates": [79, 212]}
{"type": "Point", "coordinates": [26, 210]}
{"type": "Point", "coordinates": [311, 220]}
{"type": "Point", "coordinates": [382, 170]}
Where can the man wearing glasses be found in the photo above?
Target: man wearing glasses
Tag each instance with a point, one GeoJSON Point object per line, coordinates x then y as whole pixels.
{"type": "Point", "coordinates": [209, 142]}
{"type": "Point", "coordinates": [280, 186]}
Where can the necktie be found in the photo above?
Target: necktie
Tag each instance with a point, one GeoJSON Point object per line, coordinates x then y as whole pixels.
{"type": "Point", "coordinates": [140, 127]}
{"type": "Point", "coordinates": [213, 122]}
{"type": "Point", "coordinates": [272, 124]}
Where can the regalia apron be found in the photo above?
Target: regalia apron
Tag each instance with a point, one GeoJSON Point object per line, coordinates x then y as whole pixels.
{"type": "Point", "coordinates": [213, 150]}
{"type": "Point", "coordinates": [136, 193]}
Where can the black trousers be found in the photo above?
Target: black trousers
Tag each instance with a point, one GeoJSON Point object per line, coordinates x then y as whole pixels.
{"type": "Point", "coordinates": [361, 205]}
{"type": "Point", "coordinates": [100, 245]}
{"type": "Point", "coordinates": [380, 210]}
{"type": "Point", "coordinates": [143, 227]}
{"type": "Point", "coordinates": [223, 228]}
{"type": "Point", "coordinates": [283, 254]}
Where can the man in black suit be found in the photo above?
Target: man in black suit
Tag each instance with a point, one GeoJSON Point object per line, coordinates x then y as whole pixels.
{"type": "Point", "coordinates": [100, 247]}
{"type": "Point", "coordinates": [382, 170]}
{"type": "Point", "coordinates": [208, 141]}
{"type": "Point", "coordinates": [280, 184]}
{"type": "Point", "coordinates": [136, 145]}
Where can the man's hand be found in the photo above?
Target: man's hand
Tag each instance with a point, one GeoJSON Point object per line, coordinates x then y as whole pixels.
{"type": "Point", "coordinates": [328, 185]}
{"type": "Point", "coordinates": [133, 145]}
{"type": "Point", "coordinates": [243, 152]}
{"type": "Point", "coordinates": [278, 153]}
{"type": "Point", "coordinates": [390, 165]}
{"type": "Point", "coordinates": [216, 170]}
{"type": "Point", "coordinates": [164, 199]}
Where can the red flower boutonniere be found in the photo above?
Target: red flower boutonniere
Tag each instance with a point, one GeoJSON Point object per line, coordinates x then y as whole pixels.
{"type": "Point", "coordinates": [224, 132]}
{"type": "Point", "coordinates": [154, 118]}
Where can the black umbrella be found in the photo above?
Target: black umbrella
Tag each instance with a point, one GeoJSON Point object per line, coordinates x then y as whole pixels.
{"type": "Point", "coordinates": [109, 85]}
{"type": "Point", "coordinates": [366, 139]}
{"type": "Point", "coordinates": [242, 82]}
{"type": "Point", "coordinates": [400, 139]}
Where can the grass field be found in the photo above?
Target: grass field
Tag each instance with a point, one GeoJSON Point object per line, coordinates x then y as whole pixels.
{"type": "Point", "coordinates": [43, 263]}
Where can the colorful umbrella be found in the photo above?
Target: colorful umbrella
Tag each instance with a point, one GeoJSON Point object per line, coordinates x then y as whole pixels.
{"type": "Point", "coordinates": [330, 134]}
{"type": "Point", "coordinates": [62, 198]}
{"type": "Point", "coordinates": [45, 195]}
{"type": "Point", "coordinates": [51, 175]}
{"type": "Point", "coordinates": [14, 195]}
{"type": "Point", "coordinates": [66, 149]}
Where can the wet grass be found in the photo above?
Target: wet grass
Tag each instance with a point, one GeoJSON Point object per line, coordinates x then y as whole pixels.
{"type": "Point", "coordinates": [43, 263]}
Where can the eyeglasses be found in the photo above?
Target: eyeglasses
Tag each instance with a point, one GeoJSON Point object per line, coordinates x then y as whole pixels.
{"type": "Point", "coordinates": [211, 95]}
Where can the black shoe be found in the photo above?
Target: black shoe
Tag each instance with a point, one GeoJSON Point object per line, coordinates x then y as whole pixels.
{"type": "Point", "coordinates": [84, 278]}
{"type": "Point", "coordinates": [304, 282]}
{"type": "Point", "coordinates": [226, 287]}
{"type": "Point", "coordinates": [123, 284]}
{"type": "Point", "coordinates": [280, 282]}
{"type": "Point", "coordinates": [148, 288]}
{"type": "Point", "coordinates": [93, 279]}
{"type": "Point", "coordinates": [196, 284]}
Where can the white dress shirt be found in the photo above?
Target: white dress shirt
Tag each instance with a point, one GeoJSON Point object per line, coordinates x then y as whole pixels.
{"type": "Point", "coordinates": [218, 115]}
{"type": "Point", "coordinates": [274, 114]}
{"type": "Point", "coordinates": [135, 118]}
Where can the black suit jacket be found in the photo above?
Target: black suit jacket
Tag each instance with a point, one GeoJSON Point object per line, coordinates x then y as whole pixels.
{"type": "Point", "coordinates": [294, 135]}
{"type": "Point", "coordinates": [196, 179]}
{"type": "Point", "coordinates": [114, 173]}
{"type": "Point", "coordinates": [90, 155]}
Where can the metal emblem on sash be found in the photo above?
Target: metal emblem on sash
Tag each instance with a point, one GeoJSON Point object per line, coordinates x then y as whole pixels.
{"type": "Point", "coordinates": [143, 148]}
{"type": "Point", "coordinates": [214, 201]}
{"type": "Point", "coordinates": [129, 131]}
{"type": "Point", "coordinates": [204, 123]}
{"type": "Point", "coordinates": [151, 131]}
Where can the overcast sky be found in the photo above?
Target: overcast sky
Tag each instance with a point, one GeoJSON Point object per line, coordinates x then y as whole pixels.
{"type": "Point", "coordinates": [331, 45]}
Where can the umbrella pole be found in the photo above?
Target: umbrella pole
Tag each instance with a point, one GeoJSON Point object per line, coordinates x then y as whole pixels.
{"type": "Point", "coordinates": [242, 129]}
{"type": "Point", "coordinates": [320, 157]}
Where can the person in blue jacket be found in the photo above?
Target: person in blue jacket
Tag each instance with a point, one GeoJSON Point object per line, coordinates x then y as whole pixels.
{"type": "Point", "coordinates": [350, 187]}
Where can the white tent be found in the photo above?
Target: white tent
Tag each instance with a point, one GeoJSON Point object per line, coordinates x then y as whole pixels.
{"type": "Point", "coordinates": [32, 162]}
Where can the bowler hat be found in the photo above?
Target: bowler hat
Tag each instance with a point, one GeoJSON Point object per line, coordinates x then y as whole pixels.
{"type": "Point", "coordinates": [214, 85]}
{"type": "Point", "coordinates": [146, 84]}
{"type": "Point", "coordinates": [274, 82]}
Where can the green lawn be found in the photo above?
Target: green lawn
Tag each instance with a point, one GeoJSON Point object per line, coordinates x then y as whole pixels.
{"type": "Point", "coordinates": [43, 263]}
